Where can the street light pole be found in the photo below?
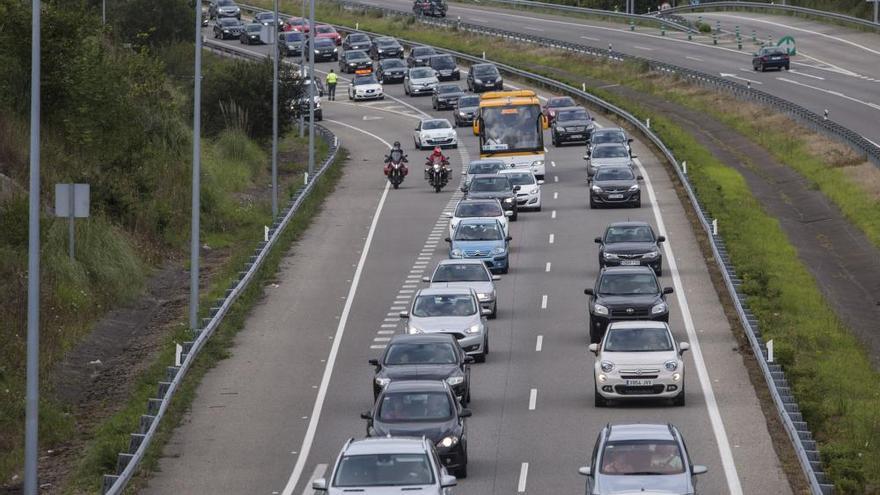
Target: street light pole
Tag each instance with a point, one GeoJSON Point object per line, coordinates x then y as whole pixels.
{"type": "Point", "coordinates": [302, 69]}
{"type": "Point", "coordinates": [103, 12]}
{"type": "Point", "coordinates": [314, 81]}
{"type": "Point", "coordinates": [196, 176]}
{"type": "Point", "coordinates": [275, 118]}
{"type": "Point", "coordinates": [32, 400]}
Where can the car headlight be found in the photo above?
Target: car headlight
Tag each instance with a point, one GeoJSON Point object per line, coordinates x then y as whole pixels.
{"type": "Point", "coordinates": [448, 441]}
{"type": "Point", "coordinates": [659, 308]}
{"type": "Point", "coordinates": [596, 189]}
{"type": "Point", "coordinates": [563, 129]}
{"type": "Point", "coordinates": [461, 114]}
{"type": "Point", "coordinates": [634, 188]}
{"type": "Point", "coordinates": [352, 63]}
{"type": "Point", "coordinates": [478, 81]}
{"type": "Point", "coordinates": [607, 366]}
{"type": "Point", "coordinates": [413, 330]}
{"type": "Point", "coordinates": [484, 297]}
{"type": "Point", "coordinates": [475, 328]}
{"type": "Point", "coordinates": [508, 200]}
{"type": "Point", "coordinates": [537, 163]}
{"type": "Point", "coordinates": [226, 31]}
{"type": "Point", "coordinates": [335, 50]}
{"type": "Point", "coordinates": [498, 250]}
{"type": "Point", "coordinates": [671, 365]}
{"type": "Point", "coordinates": [455, 253]}
{"type": "Point", "coordinates": [600, 310]}
{"type": "Point", "coordinates": [380, 50]}
{"type": "Point", "coordinates": [383, 382]}
{"type": "Point", "coordinates": [609, 256]}
{"type": "Point", "coordinates": [455, 380]}
{"type": "Point", "coordinates": [651, 255]}
{"type": "Point", "coordinates": [319, 51]}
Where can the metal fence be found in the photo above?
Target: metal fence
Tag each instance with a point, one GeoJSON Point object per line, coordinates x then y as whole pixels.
{"type": "Point", "coordinates": [127, 462]}
{"type": "Point", "coordinates": [776, 9]}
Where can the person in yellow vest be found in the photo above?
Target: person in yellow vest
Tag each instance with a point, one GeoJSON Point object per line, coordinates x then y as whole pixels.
{"type": "Point", "coordinates": [331, 85]}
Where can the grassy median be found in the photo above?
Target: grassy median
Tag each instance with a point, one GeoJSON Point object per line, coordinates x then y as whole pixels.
{"type": "Point", "coordinates": [831, 376]}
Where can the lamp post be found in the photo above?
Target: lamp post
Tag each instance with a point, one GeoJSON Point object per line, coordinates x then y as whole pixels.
{"type": "Point", "coordinates": [275, 116]}
{"type": "Point", "coordinates": [311, 98]}
{"type": "Point", "coordinates": [196, 176]}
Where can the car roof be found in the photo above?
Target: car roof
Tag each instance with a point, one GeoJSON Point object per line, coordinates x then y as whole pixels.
{"type": "Point", "coordinates": [629, 223]}
{"type": "Point", "coordinates": [449, 85]}
{"type": "Point", "coordinates": [610, 145]}
{"type": "Point", "coordinates": [478, 221]}
{"type": "Point", "coordinates": [416, 386]}
{"type": "Point", "coordinates": [637, 324]}
{"type": "Point", "coordinates": [627, 269]}
{"type": "Point", "coordinates": [385, 445]}
{"type": "Point", "coordinates": [440, 291]}
{"type": "Point", "coordinates": [639, 431]}
{"type": "Point", "coordinates": [443, 338]}
{"type": "Point", "coordinates": [512, 171]}
{"type": "Point", "coordinates": [558, 98]}
{"type": "Point", "coordinates": [610, 130]}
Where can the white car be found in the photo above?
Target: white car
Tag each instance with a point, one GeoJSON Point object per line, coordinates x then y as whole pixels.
{"type": "Point", "coordinates": [479, 208]}
{"type": "Point", "coordinates": [365, 87]}
{"type": "Point", "coordinates": [467, 273]}
{"type": "Point", "coordinates": [420, 81]}
{"type": "Point", "coordinates": [529, 195]}
{"type": "Point", "coordinates": [435, 132]}
{"type": "Point", "coordinates": [638, 360]}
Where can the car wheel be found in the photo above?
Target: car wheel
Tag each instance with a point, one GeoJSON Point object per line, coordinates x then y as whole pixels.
{"type": "Point", "coordinates": [480, 358]}
{"type": "Point", "coordinates": [786, 66]}
{"type": "Point", "coordinates": [494, 312]}
{"type": "Point", "coordinates": [467, 396]}
{"type": "Point", "coordinates": [515, 216]}
{"type": "Point", "coordinates": [755, 67]}
{"type": "Point", "coordinates": [416, 145]}
{"type": "Point", "coordinates": [678, 401]}
{"type": "Point", "coordinates": [405, 90]}
{"type": "Point", "coordinates": [594, 334]}
{"type": "Point", "coordinates": [598, 400]}
{"type": "Point", "coordinates": [505, 269]}
{"type": "Point", "coordinates": [592, 204]}
{"type": "Point", "coordinates": [486, 346]}
{"type": "Point", "coordinates": [763, 69]}
{"type": "Point", "coordinates": [539, 208]}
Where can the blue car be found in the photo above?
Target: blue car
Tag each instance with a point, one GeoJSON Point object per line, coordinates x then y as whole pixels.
{"type": "Point", "coordinates": [481, 239]}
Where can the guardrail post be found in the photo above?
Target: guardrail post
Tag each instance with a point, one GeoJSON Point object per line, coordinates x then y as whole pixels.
{"type": "Point", "coordinates": [662, 30]}
{"type": "Point", "coordinates": [714, 38]}
{"type": "Point", "coordinates": [684, 167]}
{"type": "Point", "coordinates": [770, 351]}
{"type": "Point", "coordinates": [632, 25]}
{"type": "Point", "coordinates": [825, 115]}
{"type": "Point", "coordinates": [648, 123]}
{"type": "Point", "coordinates": [754, 36]}
{"type": "Point", "coordinates": [718, 26]}
{"type": "Point", "coordinates": [714, 226]}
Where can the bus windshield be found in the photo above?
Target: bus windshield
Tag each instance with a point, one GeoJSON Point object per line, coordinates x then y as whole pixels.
{"type": "Point", "coordinates": [506, 129]}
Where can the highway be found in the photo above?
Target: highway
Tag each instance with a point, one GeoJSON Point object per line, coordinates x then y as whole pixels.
{"type": "Point", "coordinates": [829, 74]}
{"type": "Point", "coordinates": [275, 414]}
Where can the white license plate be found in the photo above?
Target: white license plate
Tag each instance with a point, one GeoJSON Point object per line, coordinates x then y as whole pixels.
{"type": "Point", "coordinates": [639, 383]}
{"type": "Point", "coordinates": [629, 262]}
{"type": "Point", "coordinates": [615, 196]}
{"type": "Point", "coordinates": [576, 136]}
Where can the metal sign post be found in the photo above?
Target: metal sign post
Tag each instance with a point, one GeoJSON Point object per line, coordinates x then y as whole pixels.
{"type": "Point", "coordinates": [314, 81]}
{"type": "Point", "coordinates": [876, 3]}
{"type": "Point", "coordinates": [71, 201]}
{"type": "Point", "coordinates": [196, 176]}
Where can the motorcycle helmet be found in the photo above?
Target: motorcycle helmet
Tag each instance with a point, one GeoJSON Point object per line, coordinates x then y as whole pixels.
{"type": "Point", "coordinates": [437, 150]}
{"type": "Point", "coordinates": [396, 145]}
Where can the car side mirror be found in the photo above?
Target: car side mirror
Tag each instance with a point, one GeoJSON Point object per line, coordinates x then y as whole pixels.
{"type": "Point", "coordinates": [469, 360]}
{"type": "Point", "coordinates": [464, 189]}
{"type": "Point", "coordinates": [700, 469]}
{"type": "Point", "coordinates": [598, 240]}
{"type": "Point", "coordinates": [449, 215]}
{"type": "Point", "coordinates": [465, 413]}
{"type": "Point", "coordinates": [448, 239]}
{"type": "Point", "coordinates": [667, 290]}
{"type": "Point", "coordinates": [320, 485]}
{"type": "Point", "coordinates": [374, 362]}
{"type": "Point", "coordinates": [404, 315]}
{"type": "Point", "coordinates": [661, 239]}
{"type": "Point", "coordinates": [448, 481]}
{"type": "Point", "coordinates": [594, 348]}
{"type": "Point", "coordinates": [584, 470]}
{"type": "Point", "coordinates": [639, 177]}
{"type": "Point", "coordinates": [629, 140]}
{"type": "Point", "coordinates": [683, 346]}
{"type": "Point", "coordinates": [633, 156]}
{"type": "Point", "coordinates": [426, 279]}
{"type": "Point", "coordinates": [588, 291]}
{"type": "Point", "coordinates": [541, 182]}
{"type": "Point", "coordinates": [508, 213]}
{"type": "Point", "coordinates": [366, 415]}
{"type": "Point", "coordinates": [517, 188]}
{"type": "Point", "coordinates": [508, 238]}
{"type": "Point", "coordinates": [486, 312]}
{"type": "Point", "coordinates": [496, 277]}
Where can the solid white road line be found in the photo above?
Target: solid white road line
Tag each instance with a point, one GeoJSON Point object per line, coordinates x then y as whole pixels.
{"type": "Point", "coordinates": [730, 472]}
{"type": "Point", "coordinates": [523, 477]}
{"type": "Point", "coordinates": [544, 301]}
{"type": "Point", "coordinates": [696, 59]}
{"type": "Point", "coordinates": [793, 71]}
{"type": "Point", "coordinates": [830, 92]}
{"type": "Point", "coordinates": [539, 343]}
{"type": "Point", "coordinates": [309, 438]}
{"type": "Point", "coordinates": [639, 47]}
{"type": "Point", "coordinates": [533, 399]}
{"type": "Point", "coordinates": [590, 38]}
{"type": "Point", "coordinates": [317, 473]}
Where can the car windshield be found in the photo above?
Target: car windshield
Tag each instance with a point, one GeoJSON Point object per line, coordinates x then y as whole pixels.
{"type": "Point", "coordinates": [225, 3]}
{"type": "Point", "coordinates": [356, 55]}
{"type": "Point", "coordinates": [324, 43]}
{"type": "Point", "coordinates": [484, 70]}
{"type": "Point", "coordinates": [265, 16]}
{"type": "Point", "coordinates": [325, 29]}
{"type": "Point", "coordinates": [421, 73]}
{"type": "Point", "coordinates": [254, 27]}
{"type": "Point", "coordinates": [641, 458]}
{"type": "Point", "coordinates": [462, 272]}
{"type": "Point", "coordinates": [628, 284]}
{"type": "Point", "coordinates": [521, 179]}
{"type": "Point", "coordinates": [490, 184]}
{"type": "Point", "coordinates": [383, 470]}
{"type": "Point", "coordinates": [563, 101]}
{"type": "Point", "coordinates": [485, 167]}
{"type": "Point", "coordinates": [229, 22]}
{"type": "Point", "coordinates": [468, 210]}
{"type": "Point", "coordinates": [448, 89]}
{"type": "Point", "coordinates": [385, 41]}
{"type": "Point", "coordinates": [293, 36]}
{"type": "Point", "coordinates": [392, 63]}
{"type": "Point", "coordinates": [638, 340]}
{"type": "Point", "coordinates": [445, 62]}
{"type": "Point", "coordinates": [478, 232]}
{"type": "Point", "coordinates": [469, 101]}
{"type": "Point", "coordinates": [573, 115]}
{"type": "Point", "coordinates": [444, 305]}
{"type": "Point", "coordinates": [365, 79]}
{"type": "Point", "coordinates": [358, 38]}
{"type": "Point", "coordinates": [607, 137]}
{"type": "Point", "coordinates": [421, 51]}
{"type": "Point", "coordinates": [614, 173]}
{"type": "Point", "coordinates": [628, 233]}
{"type": "Point", "coordinates": [435, 124]}
{"type": "Point", "coordinates": [415, 406]}
{"type": "Point", "coordinates": [428, 353]}
{"type": "Point", "coordinates": [610, 152]}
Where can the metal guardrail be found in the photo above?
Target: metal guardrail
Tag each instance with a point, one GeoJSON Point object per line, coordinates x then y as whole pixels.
{"type": "Point", "coordinates": [775, 8]}
{"type": "Point", "coordinates": [127, 462]}
{"type": "Point", "coordinates": [786, 405]}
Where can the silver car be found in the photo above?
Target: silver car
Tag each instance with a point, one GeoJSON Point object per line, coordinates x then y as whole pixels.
{"type": "Point", "coordinates": [641, 459]}
{"type": "Point", "coordinates": [381, 466]}
{"type": "Point", "coordinates": [467, 273]}
{"type": "Point", "coordinates": [483, 167]}
{"type": "Point", "coordinates": [453, 310]}
{"type": "Point", "coordinates": [420, 81]}
{"type": "Point", "coordinates": [609, 155]}
{"type": "Point", "coordinates": [529, 195]}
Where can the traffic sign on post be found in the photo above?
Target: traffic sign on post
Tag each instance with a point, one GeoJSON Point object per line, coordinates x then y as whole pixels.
{"type": "Point", "coordinates": [71, 201]}
{"type": "Point", "coordinates": [787, 44]}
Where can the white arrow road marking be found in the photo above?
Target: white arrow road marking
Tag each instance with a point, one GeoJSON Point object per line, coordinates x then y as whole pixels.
{"type": "Point", "coordinates": [372, 117]}
{"type": "Point", "coordinates": [734, 76]}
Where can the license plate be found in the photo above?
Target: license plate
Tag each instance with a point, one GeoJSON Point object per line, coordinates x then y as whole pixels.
{"type": "Point", "coordinates": [775, 58]}
{"type": "Point", "coordinates": [576, 136]}
{"type": "Point", "coordinates": [639, 383]}
{"type": "Point", "coordinates": [615, 196]}
{"type": "Point", "coordinates": [629, 262]}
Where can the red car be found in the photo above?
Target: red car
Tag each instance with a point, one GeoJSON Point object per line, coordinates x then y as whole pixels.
{"type": "Point", "coordinates": [554, 103]}
{"type": "Point", "coordinates": [296, 24]}
{"type": "Point", "coordinates": [325, 31]}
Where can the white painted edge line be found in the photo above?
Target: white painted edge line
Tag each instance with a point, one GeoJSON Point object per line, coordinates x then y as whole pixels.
{"type": "Point", "coordinates": [730, 472]}
{"type": "Point", "coordinates": [309, 438]}
{"type": "Point", "coordinates": [533, 399]}
{"type": "Point", "coordinates": [539, 343]}
{"type": "Point", "coordinates": [523, 477]}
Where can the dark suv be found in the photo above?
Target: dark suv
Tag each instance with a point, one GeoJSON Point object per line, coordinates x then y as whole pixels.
{"type": "Point", "coordinates": [571, 125]}
{"type": "Point", "coordinates": [625, 293]}
{"type": "Point", "coordinates": [495, 186]}
{"type": "Point", "coordinates": [419, 56]}
{"type": "Point", "coordinates": [631, 244]}
{"type": "Point", "coordinates": [484, 77]}
{"type": "Point", "coordinates": [445, 66]}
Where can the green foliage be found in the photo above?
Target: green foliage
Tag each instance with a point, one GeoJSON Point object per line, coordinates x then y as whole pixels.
{"type": "Point", "coordinates": [704, 27]}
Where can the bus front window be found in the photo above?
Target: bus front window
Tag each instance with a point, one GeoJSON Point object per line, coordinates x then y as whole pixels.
{"type": "Point", "coordinates": [511, 129]}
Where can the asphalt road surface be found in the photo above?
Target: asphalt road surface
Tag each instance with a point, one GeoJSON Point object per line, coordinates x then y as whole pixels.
{"type": "Point", "coordinates": [275, 414]}
{"type": "Point", "coordinates": [835, 69]}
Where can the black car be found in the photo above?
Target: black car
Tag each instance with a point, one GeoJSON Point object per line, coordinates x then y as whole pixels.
{"type": "Point", "coordinates": [771, 57]}
{"type": "Point", "coordinates": [625, 293]}
{"type": "Point", "coordinates": [227, 27]}
{"type": "Point", "coordinates": [250, 35]}
{"type": "Point", "coordinates": [325, 49]}
{"type": "Point", "coordinates": [484, 77]}
{"type": "Point", "coordinates": [631, 244]}
{"type": "Point", "coordinates": [385, 47]}
{"type": "Point", "coordinates": [266, 18]}
{"type": "Point", "coordinates": [427, 356]}
{"type": "Point", "coordinates": [354, 60]}
{"type": "Point", "coordinates": [556, 103]}
{"type": "Point", "coordinates": [391, 70]}
{"type": "Point", "coordinates": [357, 41]}
{"type": "Point", "coordinates": [445, 66]}
{"type": "Point", "coordinates": [612, 135]}
{"type": "Point", "coordinates": [446, 96]}
{"type": "Point", "coordinates": [612, 186]}
{"type": "Point", "coordinates": [419, 56]}
{"type": "Point", "coordinates": [416, 408]}
{"type": "Point", "coordinates": [291, 43]}
{"type": "Point", "coordinates": [465, 109]}
{"type": "Point", "coordinates": [223, 8]}
{"type": "Point", "coordinates": [571, 125]}
{"type": "Point", "coordinates": [494, 186]}
{"type": "Point", "coordinates": [433, 8]}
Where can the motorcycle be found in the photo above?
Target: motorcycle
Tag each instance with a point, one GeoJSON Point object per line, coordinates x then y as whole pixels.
{"type": "Point", "coordinates": [395, 168]}
{"type": "Point", "coordinates": [438, 172]}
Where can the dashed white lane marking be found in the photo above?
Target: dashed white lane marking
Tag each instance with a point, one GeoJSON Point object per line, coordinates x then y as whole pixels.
{"type": "Point", "coordinates": [386, 332]}
{"type": "Point", "coordinates": [539, 343]}
{"type": "Point", "coordinates": [552, 238]}
{"type": "Point", "coordinates": [639, 47]}
{"type": "Point", "coordinates": [379, 346]}
{"type": "Point", "coordinates": [381, 339]}
{"type": "Point", "coordinates": [523, 477]}
{"type": "Point", "coordinates": [553, 214]}
{"type": "Point", "coordinates": [547, 268]}
{"type": "Point", "coordinates": [533, 399]}
{"type": "Point", "coordinates": [555, 195]}
{"type": "Point", "coordinates": [552, 163]}
{"type": "Point", "coordinates": [389, 325]}
{"type": "Point", "coordinates": [534, 29]}
{"type": "Point", "coordinates": [793, 71]}
{"type": "Point", "coordinates": [317, 473]}
{"type": "Point", "coordinates": [544, 301]}
{"type": "Point", "coordinates": [590, 38]}
{"type": "Point", "coordinates": [555, 178]}
{"type": "Point", "coordinates": [697, 59]}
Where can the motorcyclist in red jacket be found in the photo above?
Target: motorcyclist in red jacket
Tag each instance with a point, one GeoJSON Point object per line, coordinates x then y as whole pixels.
{"type": "Point", "coordinates": [438, 155]}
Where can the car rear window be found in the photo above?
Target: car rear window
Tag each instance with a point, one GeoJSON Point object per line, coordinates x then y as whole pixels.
{"type": "Point", "coordinates": [610, 152]}
{"type": "Point", "coordinates": [462, 272]}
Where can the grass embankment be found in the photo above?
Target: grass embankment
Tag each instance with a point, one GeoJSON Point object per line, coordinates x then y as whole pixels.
{"type": "Point", "coordinates": [831, 376]}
